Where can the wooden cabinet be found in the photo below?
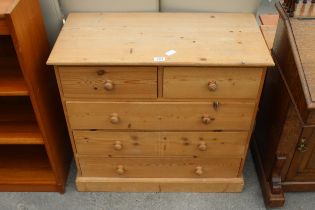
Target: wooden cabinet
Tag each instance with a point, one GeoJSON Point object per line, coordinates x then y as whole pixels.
{"type": "Point", "coordinates": [284, 137]}
{"type": "Point", "coordinates": [34, 147]}
{"type": "Point", "coordinates": [153, 107]}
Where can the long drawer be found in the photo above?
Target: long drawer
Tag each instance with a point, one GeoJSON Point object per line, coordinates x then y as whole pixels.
{"type": "Point", "coordinates": [159, 167]}
{"type": "Point", "coordinates": [210, 82]}
{"type": "Point", "coordinates": [108, 82]}
{"type": "Point", "coordinates": [137, 144]}
{"type": "Point", "coordinates": [160, 115]}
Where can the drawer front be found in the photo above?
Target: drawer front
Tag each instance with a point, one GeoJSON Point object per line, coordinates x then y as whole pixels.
{"type": "Point", "coordinates": [159, 167]}
{"type": "Point", "coordinates": [109, 82]}
{"type": "Point", "coordinates": [189, 144]}
{"type": "Point", "coordinates": [160, 115]}
{"type": "Point", "coordinates": [200, 82]}
{"type": "Point", "coordinates": [204, 144]}
{"type": "Point", "coordinates": [117, 144]}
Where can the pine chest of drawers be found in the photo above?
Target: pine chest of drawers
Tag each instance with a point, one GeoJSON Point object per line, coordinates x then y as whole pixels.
{"type": "Point", "coordinates": [160, 101]}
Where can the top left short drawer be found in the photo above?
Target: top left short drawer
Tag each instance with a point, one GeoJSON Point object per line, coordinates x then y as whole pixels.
{"type": "Point", "coordinates": [108, 82]}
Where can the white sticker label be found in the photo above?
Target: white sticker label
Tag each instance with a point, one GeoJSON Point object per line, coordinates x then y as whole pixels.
{"type": "Point", "coordinates": [159, 59]}
{"type": "Point", "coordinates": [170, 52]}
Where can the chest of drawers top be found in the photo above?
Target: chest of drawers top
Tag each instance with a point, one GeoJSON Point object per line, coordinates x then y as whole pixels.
{"type": "Point", "coordinates": [161, 39]}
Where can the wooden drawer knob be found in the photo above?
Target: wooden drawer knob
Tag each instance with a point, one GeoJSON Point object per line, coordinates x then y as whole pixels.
{"type": "Point", "coordinates": [114, 118]}
{"type": "Point", "coordinates": [120, 169]}
{"type": "Point", "coordinates": [118, 145]}
{"type": "Point", "coordinates": [212, 86]}
{"type": "Point", "coordinates": [199, 171]}
{"type": "Point", "coordinates": [206, 119]}
{"type": "Point", "coordinates": [202, 146]}
{"type": "Point", "coordinates": [100, 72]}
{"type": "Point", "coordinates": [109, 85]}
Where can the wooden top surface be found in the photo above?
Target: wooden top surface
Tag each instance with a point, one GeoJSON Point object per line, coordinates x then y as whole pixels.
{"type": "Point", "coordinates": [190, 39]}
{"type": "Point", "coordinates": [269, 27]}
{"type": "Point", "coordinates": [6, 6]}
{"type": "Point", "coordinates": [304, 33]}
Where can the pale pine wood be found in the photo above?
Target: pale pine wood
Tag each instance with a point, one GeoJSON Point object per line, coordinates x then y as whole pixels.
{"type": "Point", "coordinates": [4, 29]}
{"type": "Point", "coordinates": [102, 143]}
{"type": "Point", "coordinates": [160, 82]}
{"type": "Point", "coordinates": [97, 166]}
{"type": "Point", "coordinates": [269, 33]}
{"type": "Point", "coordinates": [160, 115]}
{"type": "Point", "coordinates": [128, 82]}
{"type": "Point", "coordinates": [63, 101]}
{"type": "Point", "coordinates": [202, 39]}
{"type": "Point", "coordinates": [101, 184]}
{"type": "Point", "coordinates": [20, 133]}
{"type": "Point", "coordinates": [131, 135]}
{"type": "Point", "coordinates": [192, 82]}
{"type": "Point", "coordinates": [218, 144]}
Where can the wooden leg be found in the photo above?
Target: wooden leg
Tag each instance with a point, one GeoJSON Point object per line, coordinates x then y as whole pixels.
{"type": "Point", "coordinates": [275, 178]}
{"type": "Point", "coordinates": [271, 199]}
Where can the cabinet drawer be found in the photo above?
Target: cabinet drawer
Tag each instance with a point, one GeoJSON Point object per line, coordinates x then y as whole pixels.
{"type": "Point", "coordinates": [117, 144]}
{"type": "Point", "coordinates": [109, 82]}
{"type": "Point", "coordinates": [160, 115]}
{"type": "Point", "coordinates": [202, 82]}
{"type": "Point", "coordinates": [189, 144]}
{"type": "Point", "coordinates": [159, 167]}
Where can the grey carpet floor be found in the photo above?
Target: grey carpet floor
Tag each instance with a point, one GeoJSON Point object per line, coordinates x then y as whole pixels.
{"type": "Point", "coordinates": [250, 198]}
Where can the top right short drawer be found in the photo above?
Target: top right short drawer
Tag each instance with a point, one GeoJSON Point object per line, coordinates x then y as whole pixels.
{"type": "Point", "coordinates": [212, 82]}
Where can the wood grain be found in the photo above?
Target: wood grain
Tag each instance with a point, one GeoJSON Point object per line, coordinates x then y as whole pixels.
{"type": "Point", "coordinates": [95, 166]}
{"type": "Point", "coordinates": [20, 133]}
{"type": "Point", "coordinates": [4, 29]}
{"type": "Point", "coordinates": [137, 144]}
{"type": "Point", "coordinates": [192, 82]}
{"type": "Point", "coordinates": [269, 33]}
{"type": "Point", "coordinates": [101, 184]}
{"type": "Point", "coordinates": [137, 38]}
{"type": "Point", "coordinates": [160, 115]}
{"type": "Point", "coordinates": [89, 82]}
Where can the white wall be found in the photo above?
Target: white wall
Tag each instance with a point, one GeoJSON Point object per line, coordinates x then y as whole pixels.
{"type": "Point", "coordinates": [209, 5]}
{"type": "Point", "coordinates": [52, 17]}
{"type": "Point", "coordinates": [109, 6]}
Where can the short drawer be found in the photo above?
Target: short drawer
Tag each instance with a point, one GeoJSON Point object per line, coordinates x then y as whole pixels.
{"type": "Point", "coordinates": [188, 144]}
{"type": "Point", "coordinates": [203, 82]}
{"type": "Point", "coordinates": [117, 144]}
{"type": "Point", "coordinates": [108, 82]}
{"type": "Point", "coordinates": [159, 167]}
{"type": "Point", "coordinates": [160, 115]}
{"type": "Point", "coordinates": [204, 144]}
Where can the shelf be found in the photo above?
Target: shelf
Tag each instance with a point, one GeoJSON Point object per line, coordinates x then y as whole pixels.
{"type": "Point", "coordinates": [17, 123]}
{"type": "Point", "coordinates": [16, 109]}
{"type": "Point", "coordinates": [24, 165]}
{"type": "Point", "coordinates": [20, 133]}
{"type": "Point", "coordinates": [12, 82]}
{"type": "Point", "coordinates": [4, 29]}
